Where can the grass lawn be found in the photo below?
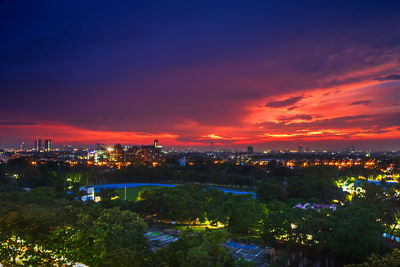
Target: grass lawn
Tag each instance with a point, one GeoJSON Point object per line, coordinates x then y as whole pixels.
{"type": "Point", "coordinates": [132, 192]}
{"type": "Point", "coordinates": [194, 228]}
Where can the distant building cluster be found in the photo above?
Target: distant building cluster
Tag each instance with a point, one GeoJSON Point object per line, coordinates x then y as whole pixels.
{"type": "Point", "coordinates": [38, 145]}
{"type": "Point", "coordinates": [120, 156]}
{"type": "Point", "coordinates": [139, 155]}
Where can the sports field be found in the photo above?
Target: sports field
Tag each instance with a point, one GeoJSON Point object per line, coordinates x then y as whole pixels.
{"type": "Point", "coordinates": [133, 189]}
{"type": "Point", "coordinates": [132, 192]}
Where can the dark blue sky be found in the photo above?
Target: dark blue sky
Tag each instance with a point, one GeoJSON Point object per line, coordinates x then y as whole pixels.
{"type": "Point", "coordinates": [87, 71]}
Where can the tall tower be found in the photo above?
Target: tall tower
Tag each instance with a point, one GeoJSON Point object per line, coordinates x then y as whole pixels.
{"type": "Point", "coordinates": [38, 144]}
{"type": "Point", "coordinates": [156, 143]}
{"type": "Point", "coordinates": [47, 145]}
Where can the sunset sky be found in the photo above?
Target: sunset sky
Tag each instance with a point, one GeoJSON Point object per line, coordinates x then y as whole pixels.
{"type": "Point", "coordinates": [272, 74]}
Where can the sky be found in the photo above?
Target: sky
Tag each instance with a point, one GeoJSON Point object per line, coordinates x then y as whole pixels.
{"type": "Point", "coordinates": [271, 74]}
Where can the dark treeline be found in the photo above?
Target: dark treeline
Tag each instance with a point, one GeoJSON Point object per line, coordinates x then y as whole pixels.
{"type": "Point", "coordinates": [247, 176]}
{"type": "Point", "coordinates": [351, 233]}
{"type": "Point", "coordinates": [191, 204]}
{"type": "Point", "coordinates": [46, 225]}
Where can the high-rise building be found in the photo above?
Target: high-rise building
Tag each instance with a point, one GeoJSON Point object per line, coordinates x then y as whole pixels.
{"type": "Point", "coordinates": [99, 146]}
{"type": "Point", "coordinates": [182, 161]}
{"type": "Point", "coordinates": [38, 144]}
{"type": "Point", "coordinates": [47, 145]}
{"type": "Point", "coordinates": [250, 150]}
{"type": "Point", "coordinates": [155, 143]}
{"type": "Point", "coordinates": [300, 149]}
{"type": "Point", "coordinates": [23, 146]}
{"type": "Point", "coordinates": [117, 153]}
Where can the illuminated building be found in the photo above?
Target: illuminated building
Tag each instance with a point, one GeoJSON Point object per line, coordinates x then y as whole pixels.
{"type": "Point", "coordinates": [143, 154]}
{"type": "Point", "coordinates": [100, 155]}
{"type": "Point", "coordinates": [155, 143]}
{"type": "Point", "coordinates": [47, 145]}
{"type": "Point", "coordinates": [38, 144]}
{"type": "Point", "coordinates": [23, 146]}
{"type": "Point", "coordinates": [182, 161]}
{"type": "Point", "coordinates": [117, 153]}
{"type": "Point", "coordinates": [99, 146]}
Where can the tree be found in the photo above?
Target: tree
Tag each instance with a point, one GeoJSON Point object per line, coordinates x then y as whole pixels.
{"type": "Point", "coordinates": [196, 249]}
{"type": "Point", "coordinates": [214, 207]}
{"type": "Point", "coordinates": [105, 194]}
{"type": "Point", "coordinates": [244, 213]}
{"type": "Point", "coordinates": [103, 237]}
{"type": "Point", "coordinates": [276, 224]}
{"type": "Point", "coordinates": [390, 260]}
{"type": "Point", "coordinates": [181, 203]}
{"type": "Point", "coordinates": [355, 233]}
{"type": "Point", "coordinates": [383, 198]}
{"type": "Point", "coordinates": [26, 220]}
{"type": "Point", "coordinates": [270, 189]}
{"type": "Point", "coordinates": [314, 182]}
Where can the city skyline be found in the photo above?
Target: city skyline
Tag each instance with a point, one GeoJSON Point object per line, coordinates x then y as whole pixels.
{"type": "Point", "coordinates": [48, 146]}
{"type": "Point", "coordinates": [268, 75]}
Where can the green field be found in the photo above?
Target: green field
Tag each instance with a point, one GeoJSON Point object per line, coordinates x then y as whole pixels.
{"type": "Point", "coordinates": [132, 192]}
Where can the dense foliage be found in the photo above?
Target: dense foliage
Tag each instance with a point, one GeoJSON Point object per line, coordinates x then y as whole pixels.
{"type": "Point", "coordinates": [196, 249]}
{"type": "Point", "coordinates": [190, 204]}
{"type": "Point", "coordinates": [44, 226]}
{"type": "Point", "coordinates": [47, 226]}
{"type": "Point", "coordinates": [389, 260]}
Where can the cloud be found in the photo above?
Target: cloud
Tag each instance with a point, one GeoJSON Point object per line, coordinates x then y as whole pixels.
{"type": "Point", "coordinates": [361, 102]}
{"type": "Point", "coordinates": [296, 117]}
{"type": "Point", "coordinates": [16, 123]}
{"type": "Point", "coordinates": [356, 125]}
{"type": "Point", "coordinates": [291, 108]}
{"type": "Point", "coordinates": [284, 103]}
{"type": "Point", "coordinates": [388, 78]}
{"type": "Point", "coordinates": [339, 123]}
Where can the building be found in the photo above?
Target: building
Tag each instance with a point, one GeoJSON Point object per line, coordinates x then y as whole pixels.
{"type": "Point", "coordinates": [38, 144]}
{"type": "Point", "coordinates": [47, 145]}
{"type": "Point", "coordinates": [182, 161]}
{"type": "Point", "coordinates": [144, 155]}
{"type": "Point", "coordinates": [155, 143]}
{"type": "Point", "coordinates": [250, 150]}
{"type": "Point", "coordinates": [117, 153]}
{"type": "Point", "coordinates": [99, 146]}
{"type": "Point", "coordinates": [100, 155]}
{"type": "Point", "coordinates": [23, 146]}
